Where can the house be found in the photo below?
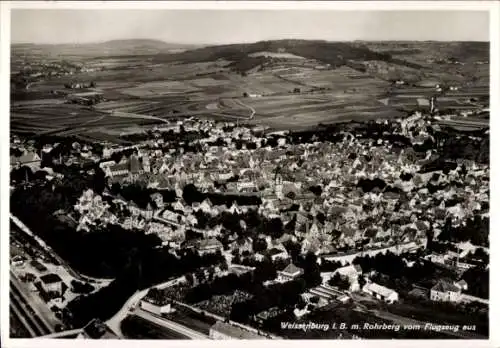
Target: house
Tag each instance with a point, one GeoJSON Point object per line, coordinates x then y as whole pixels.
{"type": "Point", "coordinates": [276, 254]}
{"type": "Point", "coordinates": [158, 308]}
{"type": "Point", "coordinates": [120, 169]}
{"type": "Point", "coordinates": [28, 158]}
{"type": "Point", "coordinates": [209, 246]}
{"type": "Point", "coordinates": [445, 291]}
{"type": "Point", "coordinates": [289, 273]}
{"type": "Point", "coordinates": [157, 198]}
{"type": "Point", "coordinates": [51, 282]}
{"type": "Point", "coordinates": [381, 292]}
{"type": "Point", "coordinates": [226, 331]}
{"type": "Point", "coordinates": [265, 315]}
{"type": "Point", "coordinates": [351, 273]}
{"type": "Point", "coordinates": [462, 285]}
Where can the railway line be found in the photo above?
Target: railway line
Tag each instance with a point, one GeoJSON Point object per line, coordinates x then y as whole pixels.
{"type": "Point", "coordinates": [25, 312]}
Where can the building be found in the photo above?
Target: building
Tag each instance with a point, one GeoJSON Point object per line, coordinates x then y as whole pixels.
{"type": "Point", "coordinates": [326, 292]}
{"type": "Point", "coordinates": [381, 292]}
{"type": "Point", "coordinates": [120, 169]}
{"type": "Point", "coordinates": [28, 158]}
{"type": "Point", "coordinates": [226, 331]}
{"type": "Point", "coordinates": [51, 282]}
{"type": "Point", "coordinates": [462, 285]}
{"type": "Point", "coordinates": [445, 291]}
{"type": "Point", "coordinates": [148, 304]}
{"type": "Point", "coordinates": [290, 273]}
{"type": "Point", "coordinates": [351, 273]}
{"type": "Point", "coordinates": [276, 254]}
{"type": "Point", "coordinates": [209, 246]}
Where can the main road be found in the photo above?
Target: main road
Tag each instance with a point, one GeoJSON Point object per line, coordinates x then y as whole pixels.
{"type": "Point", "coordinates": [170, 325]}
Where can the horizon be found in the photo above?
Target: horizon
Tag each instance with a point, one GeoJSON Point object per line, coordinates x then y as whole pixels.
{"type": "Point", "coordinates": [230, 43]}
{"type": "Point", "coordinates": [220, 27]}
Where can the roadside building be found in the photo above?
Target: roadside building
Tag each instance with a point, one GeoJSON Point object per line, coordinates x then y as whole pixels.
{"type": "Point", "coordinates": [381, 292]}
{"type": "Point", "coordinates": [156, 307]}
{"type": "Point", "coordinates": [51, 282]}
{"type": "Point", "coordinates": [445, 291]}
{"type": "Point", "coordinates": [226, 331]}
{"type": "Point", "coordinates": [290, 273]}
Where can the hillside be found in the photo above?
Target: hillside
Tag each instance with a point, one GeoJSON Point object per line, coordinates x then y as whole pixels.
{"type": "Point", "coordinates": [333, 53]}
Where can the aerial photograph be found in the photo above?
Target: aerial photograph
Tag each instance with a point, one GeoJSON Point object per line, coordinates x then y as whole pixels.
{"type": "Point", "coordinates": [249, 174]}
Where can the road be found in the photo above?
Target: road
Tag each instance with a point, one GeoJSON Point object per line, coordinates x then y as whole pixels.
{"type": "Point", "coordinates": [114, 323]}
{"type": "Point", "coordinates": [252, 110]}
{"type": "Point", "coordinates": [170, 325]}
{"type": "Point", "coordinates": [64, 334]}
{"type": "Point", "coordinates": [140, 116]}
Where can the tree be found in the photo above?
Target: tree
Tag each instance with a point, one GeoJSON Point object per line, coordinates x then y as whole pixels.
{"type": "Point", "coordinates": [339, 281]}
{"type": "Point", "coordinates": [189, 279]}
{"type": "Point", "coordinates": [259, 244]}
{"type": "Point", "coordinates": [314, 299]}
{"type": "Point", "coordinates": [361, 281]}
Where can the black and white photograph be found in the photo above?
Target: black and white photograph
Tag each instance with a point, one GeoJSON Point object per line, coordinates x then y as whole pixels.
{"type": "Point", "coordinates": [247, 173]}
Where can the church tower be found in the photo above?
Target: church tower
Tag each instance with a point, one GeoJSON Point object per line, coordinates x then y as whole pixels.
{"type": "Point", "coordinates": [145, 163]}
{"type": "Point", "coordinates": [278, 185]}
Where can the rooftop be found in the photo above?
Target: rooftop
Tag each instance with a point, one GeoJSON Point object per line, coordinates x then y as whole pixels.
{"type": "Point", "coordinates": [50, 278]}
{"type": "Point", "coordinates": [445, 286]}
{"type": "Point", "coordinates": [292, 269]}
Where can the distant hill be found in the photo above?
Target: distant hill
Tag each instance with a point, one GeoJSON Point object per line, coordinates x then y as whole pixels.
{"type": "Point", "coordinates": [115, 48]}
{"type": "Point", "coordinates": [244, 56]}
{"type": "Point", "coordinates": [333, 53]}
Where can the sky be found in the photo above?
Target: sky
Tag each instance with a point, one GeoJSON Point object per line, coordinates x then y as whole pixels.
{"type": "Point", "coordinates": [45, 26]}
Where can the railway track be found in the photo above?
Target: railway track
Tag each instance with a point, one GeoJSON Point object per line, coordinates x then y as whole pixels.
{"type": "Point", "coordinates": [17, 312]}
{"type": "Point", "coordinates": [26, 313]}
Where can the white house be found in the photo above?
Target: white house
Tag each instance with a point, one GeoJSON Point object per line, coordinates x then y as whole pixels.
{"type": "Point", "coordinates": [289, 273]}
{"type": "Point", "coordinates": [445, 291]}
{"type": "Point", "coordinates": [351, 273]}
{"type": "Point", "coordinates": [381, 292]}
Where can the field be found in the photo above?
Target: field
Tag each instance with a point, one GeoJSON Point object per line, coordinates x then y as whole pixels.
{"type": "Point", "coordinates": [280, 84]}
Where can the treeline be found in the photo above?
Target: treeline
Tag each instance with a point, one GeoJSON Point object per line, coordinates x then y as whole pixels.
{"type": "Point", "coordinates": [475, 230]}
{"type": "Point", "coordinates": [254, 223]}
{"type": "Point", "coordinates": [396, 274]}
{"type": "Point", "coordinates": [99, 254]}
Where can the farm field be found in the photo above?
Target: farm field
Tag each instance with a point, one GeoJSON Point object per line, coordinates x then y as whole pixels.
{"type": "Point", "coordinates": [276, 84]}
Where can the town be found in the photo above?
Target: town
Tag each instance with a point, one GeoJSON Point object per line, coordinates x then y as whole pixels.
{"type": "Point", "coordinates": [265, 226]}
{"type": "Point", "coordinates": [324, 188]}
